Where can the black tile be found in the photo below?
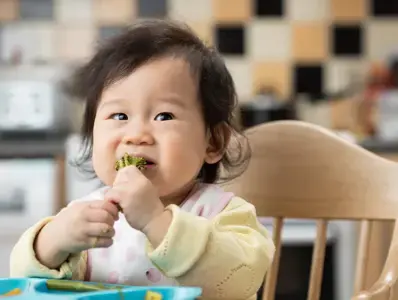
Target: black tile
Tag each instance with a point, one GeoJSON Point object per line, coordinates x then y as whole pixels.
{"type": "Point", "coordinates": [269, 8]}
{"type": "Point", "coordinates": [106, 32]}
{"type": "Point", "coordinates": [347, 40]}
{"type": "Point", "coordinates": [384, 8]}
{"type": "Point", "coordinates": [230, 39]}
{"type": "Point", "coordinates": [152, 8]}
{"type": "Point", "coordinates": [36, 9]}
{"type": "Point", "coordinates": [308, 79]}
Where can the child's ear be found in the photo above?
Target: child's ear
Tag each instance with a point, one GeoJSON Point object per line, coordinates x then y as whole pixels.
{"type": "Point", "coordinates": [218, 141]}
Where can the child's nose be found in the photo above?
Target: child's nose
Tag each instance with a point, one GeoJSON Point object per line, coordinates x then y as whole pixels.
{"type": "Point", "coordinates": [138, 136]}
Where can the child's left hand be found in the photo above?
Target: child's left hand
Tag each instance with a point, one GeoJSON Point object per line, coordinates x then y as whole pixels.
{"type": "Point", "coordinates": [136, 196]}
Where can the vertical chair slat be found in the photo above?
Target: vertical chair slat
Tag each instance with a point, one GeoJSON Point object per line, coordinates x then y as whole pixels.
{"type": "Point", "coordinates": [362, 256]}
{"type": "Point", "coordinates": [318, 259]}
{"type": "Point", "coordinates": [271, 278]}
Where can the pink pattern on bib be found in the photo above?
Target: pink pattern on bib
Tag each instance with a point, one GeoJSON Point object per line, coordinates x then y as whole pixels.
{"type": "Point", "coordinates": [113, 277]}
{"type": "Point", "coordinates": [153, 275]}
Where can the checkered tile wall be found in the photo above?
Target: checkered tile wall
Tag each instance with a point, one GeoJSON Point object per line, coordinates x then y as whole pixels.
{"type": "Point", "coordinates": [314, 46]}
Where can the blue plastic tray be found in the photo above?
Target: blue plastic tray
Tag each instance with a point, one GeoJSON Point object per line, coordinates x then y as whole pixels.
{"type": "Point", "coordinates": [35, 288]}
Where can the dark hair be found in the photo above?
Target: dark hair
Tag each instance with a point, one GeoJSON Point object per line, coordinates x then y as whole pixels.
{"type": "Point", "coordinates": [150, 39]}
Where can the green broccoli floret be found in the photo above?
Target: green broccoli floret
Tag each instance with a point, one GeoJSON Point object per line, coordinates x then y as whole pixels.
{"type": "Point", "coordinates": [128, 160]}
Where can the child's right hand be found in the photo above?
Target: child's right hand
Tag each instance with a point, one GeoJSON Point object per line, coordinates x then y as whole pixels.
{"type": "Point", "coordinates": [78, 227]}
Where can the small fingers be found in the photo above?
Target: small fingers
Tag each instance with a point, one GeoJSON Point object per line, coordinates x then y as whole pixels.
{"type": "Point", "coordinates": [99, 230]}
{"type": "Point", "coordinates": [100, 242]}
{"type": "Point", "coordinates": [112, 197]}
{"type": "Point", "coordinates": [126, 174]}
{"type": "Point", "coordinates": [98, 215]}
{"type": "Point", "coordinates": [111, 208]}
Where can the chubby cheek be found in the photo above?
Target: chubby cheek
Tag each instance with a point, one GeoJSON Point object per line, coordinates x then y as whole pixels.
{"type": "Point", "coordinates": [103, 166]}
{"type": "Point", "coordinates": [104, 159]}
{"type": "Point", "coordinates": [185, 155]}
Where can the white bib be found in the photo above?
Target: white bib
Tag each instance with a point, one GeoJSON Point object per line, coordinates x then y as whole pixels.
{"type": "Point", "coordinates": [126, 262]}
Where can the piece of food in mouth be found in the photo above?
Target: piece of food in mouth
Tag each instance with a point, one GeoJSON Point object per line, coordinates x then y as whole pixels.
{"type": "Point", "coordinates": [128, 160]}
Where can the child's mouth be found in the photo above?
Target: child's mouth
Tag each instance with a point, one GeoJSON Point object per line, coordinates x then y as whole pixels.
{"type": "Point", "coordinates": [149, 165]}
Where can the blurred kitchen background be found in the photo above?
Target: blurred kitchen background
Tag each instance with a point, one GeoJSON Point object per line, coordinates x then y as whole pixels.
{"type": "Point", "coordinates": [329, 62]}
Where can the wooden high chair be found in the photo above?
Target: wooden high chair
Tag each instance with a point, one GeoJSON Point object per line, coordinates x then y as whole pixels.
{"type": "Point", "coordinates": [300, 170]}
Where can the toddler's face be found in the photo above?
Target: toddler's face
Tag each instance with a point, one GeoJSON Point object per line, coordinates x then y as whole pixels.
{"type": "Point", "coordinates": [155, 113]}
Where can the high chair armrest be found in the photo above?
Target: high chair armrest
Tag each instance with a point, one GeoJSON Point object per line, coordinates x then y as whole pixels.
{"type": "Point", "coordinates": [381, 289]}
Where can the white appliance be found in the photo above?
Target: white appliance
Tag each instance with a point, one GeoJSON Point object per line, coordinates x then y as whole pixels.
{"type": "Point", "coordinates": [31, 106]}
{"type": "Point", "coordinates": [31, 99]}
{"type": "Point", "coordinates": [27, 194]}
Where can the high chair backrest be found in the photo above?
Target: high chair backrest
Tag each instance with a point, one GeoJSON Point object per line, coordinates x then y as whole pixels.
{"type": "Point", "coordinates": [300, 170]}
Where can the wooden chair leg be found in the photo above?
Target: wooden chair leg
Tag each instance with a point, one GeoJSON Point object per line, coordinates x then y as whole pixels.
{"type": "Point", "coordinates": [60, 186]}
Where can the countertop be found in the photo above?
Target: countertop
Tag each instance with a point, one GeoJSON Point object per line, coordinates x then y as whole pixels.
{"type": "Point", "coordinates": [33, 146]}
{"type": "Point", "coordinates": [380, 146]}
{"type": "Point", "coordinates": [47, 145]}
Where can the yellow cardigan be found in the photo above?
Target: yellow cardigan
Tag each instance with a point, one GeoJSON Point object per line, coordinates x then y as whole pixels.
{"type": "Point", "coordinates": [226, 256]}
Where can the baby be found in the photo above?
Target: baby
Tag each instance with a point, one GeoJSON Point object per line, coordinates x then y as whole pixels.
{"type": "Point", "coordinates": [157, 92]}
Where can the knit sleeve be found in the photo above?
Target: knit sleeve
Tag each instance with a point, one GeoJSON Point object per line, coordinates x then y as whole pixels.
{"type": "Point", "coordinates": [227, 256]}
{"type": "Point", "coordinates": [23, 261]}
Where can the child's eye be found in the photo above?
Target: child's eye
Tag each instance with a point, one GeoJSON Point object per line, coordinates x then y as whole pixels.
{"type": "Point", "coordinates": [119, 117]}
{"type": "Point", "coordinates": [164, 116]}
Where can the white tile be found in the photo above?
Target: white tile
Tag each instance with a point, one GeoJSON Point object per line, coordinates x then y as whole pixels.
{"type": "Point", "coordinates": [70, 11]}
{"type": "Point", "coordinates": [34, 40]}
{"type": "Point", "coordinates": [269, 40]}
{"type": "Point", "coordinates": [341, 74]}
{"type": "Point", "coordinates": [241, 73]}
{"type": "Point", "coordinates": [190, 10]}
{"type": "Point", "coordinates": [381, 38]}
{"type": "Point", "coordinates": [307, 10]}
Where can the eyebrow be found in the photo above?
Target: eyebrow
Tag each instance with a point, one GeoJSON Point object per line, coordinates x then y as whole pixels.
{"type": "Point", "coordinates": [110, 102]}
{"type": "Point", "coordinates": [172, 99]}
